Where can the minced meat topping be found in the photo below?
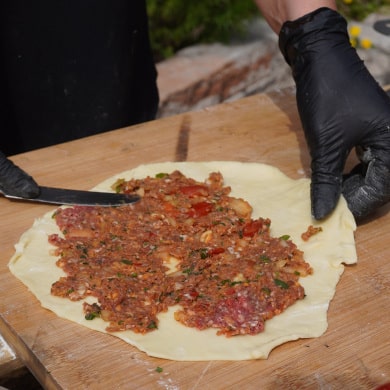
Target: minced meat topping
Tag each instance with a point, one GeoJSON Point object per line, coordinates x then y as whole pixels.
{"type": "Point", "coordinates": [185, 243]}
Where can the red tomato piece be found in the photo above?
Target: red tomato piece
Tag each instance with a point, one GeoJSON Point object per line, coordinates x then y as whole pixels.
{"type": "Point", "coordinates": [215, 251]}
{"type": "Point", "coordinates": [200, 209]}
{"type": "Point", "coordinates": [251, 228]}
{"type": "Point", "coordinates": [194, 294]}
{"type": "Point", "coordinates": [195, 190]}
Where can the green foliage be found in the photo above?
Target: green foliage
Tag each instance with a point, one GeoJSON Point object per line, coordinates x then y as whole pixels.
{"type": "Point", "coordinates": [175, 24]}
{"type": "Point", "coordinates": [359, 9]}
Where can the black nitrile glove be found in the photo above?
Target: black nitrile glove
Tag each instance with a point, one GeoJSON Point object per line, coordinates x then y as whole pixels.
{"type": "Point", "coordinates": [14, 181]}
{"type": "Point", "coordinates": [341, 107]}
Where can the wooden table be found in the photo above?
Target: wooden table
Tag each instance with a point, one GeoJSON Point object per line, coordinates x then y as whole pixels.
{"type": "Point", "coordinates": [354, 353]}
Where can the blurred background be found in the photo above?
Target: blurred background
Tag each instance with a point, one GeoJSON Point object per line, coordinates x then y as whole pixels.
{"type": "Point", "coordinates": [219, 50]}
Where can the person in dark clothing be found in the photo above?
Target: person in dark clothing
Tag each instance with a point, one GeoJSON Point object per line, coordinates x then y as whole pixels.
{"type": "Point", "coordinates": [72, 68]}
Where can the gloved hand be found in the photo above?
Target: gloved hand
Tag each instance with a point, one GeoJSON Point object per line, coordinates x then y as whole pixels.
{"type": "Point", "coordinates": [15, 181]}
{"type": "Point", "coordinates": [341, 107]}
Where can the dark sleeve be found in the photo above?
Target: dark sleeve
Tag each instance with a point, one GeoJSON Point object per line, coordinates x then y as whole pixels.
{"type": "Point", "coordinates": [72, 68]}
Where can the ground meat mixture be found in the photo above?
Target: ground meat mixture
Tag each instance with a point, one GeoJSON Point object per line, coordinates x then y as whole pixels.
{"type": "Point", "coordinates": [311, 231]}
{"type": "Point", "coordinates": [185, 243]}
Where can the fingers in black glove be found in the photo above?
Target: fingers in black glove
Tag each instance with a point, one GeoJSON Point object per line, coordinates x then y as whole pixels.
{"type": "Point", "coordinates": [15, 181]}
{"type": "Point", "coordinates": [367, 187]}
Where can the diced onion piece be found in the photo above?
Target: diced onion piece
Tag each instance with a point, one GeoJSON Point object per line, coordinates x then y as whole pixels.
{"type": "Point", "coordinates": [105, 315]}
{"type": "Point", "coordinates": [241, 207]}
{"type": "Point", "coordinates": [206, 236]}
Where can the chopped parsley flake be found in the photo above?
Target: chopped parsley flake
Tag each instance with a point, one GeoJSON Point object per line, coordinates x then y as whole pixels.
{"type": "Point", "coordinates": [282, 284]}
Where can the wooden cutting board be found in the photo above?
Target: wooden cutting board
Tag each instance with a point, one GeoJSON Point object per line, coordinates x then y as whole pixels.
{"type": "Point", "coordinates": [354, 353]}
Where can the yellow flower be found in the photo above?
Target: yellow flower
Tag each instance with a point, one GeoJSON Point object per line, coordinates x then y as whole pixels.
{"type": "Point", "coordinates": [353, 42]}
{"type": "Point", "coordinates": [347, 1]}
{"type": "Point", "coordinates": [365, 43]}
{"type": "Point", "coordinates": [354, 31]}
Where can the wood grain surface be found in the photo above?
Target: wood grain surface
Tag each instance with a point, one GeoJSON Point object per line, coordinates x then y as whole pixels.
{"type": "Point", "coordinates": [354, 353]}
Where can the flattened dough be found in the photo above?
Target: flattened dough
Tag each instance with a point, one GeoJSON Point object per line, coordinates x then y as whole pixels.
{"type": "Point", "coordinates": [272, 194]}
